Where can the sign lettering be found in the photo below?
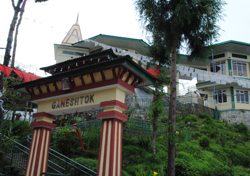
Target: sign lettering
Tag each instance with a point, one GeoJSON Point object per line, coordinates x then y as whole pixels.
{"type": "Point", "coordinates": [73, 101]}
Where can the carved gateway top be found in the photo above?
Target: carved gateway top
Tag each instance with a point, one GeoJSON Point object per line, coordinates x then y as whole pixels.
{"type": "Point", "coordinates": [96, 72]}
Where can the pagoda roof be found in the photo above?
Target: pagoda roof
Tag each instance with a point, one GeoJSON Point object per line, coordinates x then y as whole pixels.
{"type": "Point", "coordinates": [121, 42]}
{"type": "Point", "coordinates": [94, 62]}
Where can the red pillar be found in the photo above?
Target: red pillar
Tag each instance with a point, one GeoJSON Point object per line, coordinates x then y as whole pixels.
{"type": "Point", "coordinates": [110, 152]}
{"type": "Point", "coordinates": [39, 147]}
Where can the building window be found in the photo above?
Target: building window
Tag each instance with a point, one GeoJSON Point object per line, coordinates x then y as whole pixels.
{"type": "Point", "coordinates": [242, 96]}
{"type": "Point", "coordinates": [220, 96]}
{"type": "Point", "coordinates": [239, 68]}
{"type": "Point", "coordinates": [217, 56]}
{"type": "Point", "coordinates": [68, 52]}
{"type": "Point", "coordinates": [219, 67]}
{"type": "Point", "coordinates": [239, 56]}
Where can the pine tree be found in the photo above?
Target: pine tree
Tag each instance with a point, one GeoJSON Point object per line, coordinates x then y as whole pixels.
{"type": "Point", "coordinates": [192, 23]}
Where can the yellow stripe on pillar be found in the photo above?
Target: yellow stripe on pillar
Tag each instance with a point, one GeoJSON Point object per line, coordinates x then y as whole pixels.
{"type": "Point", "coordinates": [41, 153]}
{"type": "Point", "coordinates": [115, 150]}
{"type": "Point", "coordinates": [103, 146]}
{"type": "Point", "coordinates": [108, 148]}
{"type": "Point", "coordinates": [35, 147]}
{"type": "Point", "coordinates": [31, 152]}
{"type": "Point", "coordinates": [119, 149]}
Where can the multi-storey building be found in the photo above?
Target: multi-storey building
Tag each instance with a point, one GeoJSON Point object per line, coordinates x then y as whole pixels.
{"type": "Point", "coordinates": [231, 61]}
{"type": "Point", "coordinates": [229, 89]}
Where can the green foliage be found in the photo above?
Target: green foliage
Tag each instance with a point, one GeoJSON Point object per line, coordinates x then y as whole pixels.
{"type": "Point", "coordinates": [204, 142]}
{"type": "Point", "coordinates": [144, 142]}
{"type": "Point", "coordinates": [182, 167]}
{"type": "Point", "coordinates": [67, 143]}
{"type": "Point", "coordinates": [92, 139]}
{"type": "Point", "coordinates": [203, 116]}
{"type": "Point", "coordinates": [14, 100]}
{"type": "Point", "coordinates": [179, 118]}
{"type": "Point", "coordinates": [191, 118]}
{"type": "Point", "coordinates": [207, 119]}
{"type": "Point", "coordinates": [238, 157]}
{"type": "Point", "coordinates": [213, 134]}
{"type": "Point", "coordinates": [142, 172]}
{"type": "Point", "coordinates": [222, 140]}
{"type": "Point", "coordinates": [241, 128]}
{"type": "Point", "coordinates": [21, 129]}
{"type": "Point", "coordinates": [89, 163]}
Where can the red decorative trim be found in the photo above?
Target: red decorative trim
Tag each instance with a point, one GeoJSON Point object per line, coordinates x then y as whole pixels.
{"type": "Point", "coordinates": [85, 87]}
{"type": "Point", "coordinates": [100, 149]}
{"type": "Point", "coordinates": [112, 114]}
{"type": "Point", "coordinates": [113, 72]}
{"type": "Point", "coordinates": [112, 148]}
{"type": "Point", "coordinates": [119, 71]}
{"type": "Point", "coordinates": [44, 148]}
{"type": "Point", "coordinates": [92, 78]}
{"type": "Point", "coordinates": [30, 159]}
{"type": "Point", "coordinates": [128, 78]}
{"type": "Point", "coordinates": [105, 149]}
{"type": "Point", "coordinates": [33, 154]}
{"type": "Point", "coordinates": [103, 76]}
{"type": "Point", "coordinates": [55, 85]}
{"type": "Point", "coordinates": [139, 82]}
{"type": "Point", "coordinates": [43, 124]}
{"type": "Point", "coordinates": [48, 90]}
{"type": "Point", "coordinates": [123, 72]}
{"type": "Point", "coordinates": [133, 82]}
{"type": "Point", "coordinates": [44, 114]}
{"type": "Point", "coordinates": [121, 149]}
{"type": "Point", "coordinates": [114, 103]}
{"type": "Point", "coordinates": [117, 154]}
{"type": "Point", "coordinates": [47, 154]}
{"type": "Point", "coordinates": [83, 82]}
{"type": "Point", "coordinates": [40, 138]}
{"type": "Point", "coordinates": [126, 85]}
{"type": "Point", "coordinates": [40, 90]}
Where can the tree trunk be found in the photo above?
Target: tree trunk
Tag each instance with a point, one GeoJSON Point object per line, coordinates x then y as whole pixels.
{"type": "Point", "coordinates": [13, 118]}
{"type": "Point", "coordinates": [15, 41]}
{"type": "Point", "coordinates": [26, 109]}
{"type": "Point", "coordinates": [172, 112]}
{"type": "Point", "coordinates": [16, 33]}
{"type": "Point", "coordinates": [154, 121]}
{"type": "Point", "coordinates": [9, 41]}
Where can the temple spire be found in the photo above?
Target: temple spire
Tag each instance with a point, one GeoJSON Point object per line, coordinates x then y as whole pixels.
{"type": "Point", "coordinates": [77, 18]}
{"type": "Point", "coordinates": [74, 35]}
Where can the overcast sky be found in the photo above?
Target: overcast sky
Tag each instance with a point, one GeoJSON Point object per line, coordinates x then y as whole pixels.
{"type": "Point", "coordinates": [45, 24]}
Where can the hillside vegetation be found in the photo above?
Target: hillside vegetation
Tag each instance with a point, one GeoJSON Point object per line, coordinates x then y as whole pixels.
{"type": "Point", "coordinates": [215, 148]}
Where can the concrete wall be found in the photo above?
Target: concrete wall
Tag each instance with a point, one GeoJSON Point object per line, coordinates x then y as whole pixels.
{"type": "Point", "coordinates": [236, 116]}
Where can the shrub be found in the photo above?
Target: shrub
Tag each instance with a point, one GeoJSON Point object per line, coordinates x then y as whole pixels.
{"type": "Point", "coordinates": [204, 116]}
{"type": "Point", "coordinates": [89, 163]}
{"type": "Point", "coordinates": [144, 141]}
{"type": "Point", "coordinates": [241, 128]}
{"type": "Point", "coordinates": [191, 118]}
{"type": "Point", "coordinates": [213, 134]}
{"type": "Point", "coordinates": [21, 129]}
{"type": "Point", "coordinates": [204, 142]}
{"type": "Point", "coordinates": [181, 167]}
{"type": "Point", "coordinates": [92, 138]}
{"type": "Point", "coordinates": [208, 118]}
{"type": "Point", "coordinates": [67, 143]}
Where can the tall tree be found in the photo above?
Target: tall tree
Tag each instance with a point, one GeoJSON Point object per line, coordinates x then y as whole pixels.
{"type": "Point", "coordinates": [158, 51]}
{"type": "Point", "coordinates": [16, 33]}
{"type": "Point", "coordinates": [189, 22]}
{"type": "Point", "coordinates": [17, 8]}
